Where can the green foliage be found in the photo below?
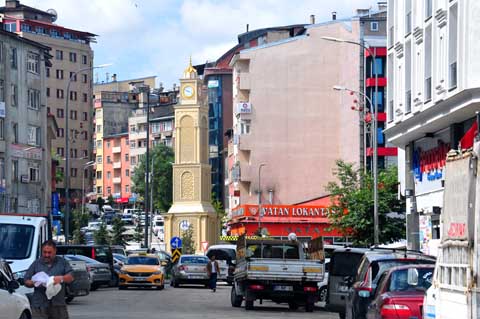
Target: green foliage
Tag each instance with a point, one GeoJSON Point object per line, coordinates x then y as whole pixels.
{"type": "Point", "coordinates": [138, 234]}
{"type": "Point", "coordinates": [79, 237]}
{"type": "Point", "coordinates": [221, 213]}
{"type": "Point", "coordinates": [118, 228]}
{"type": "Point", "coordinates": [110, 200]}
{"type": "Point", "coordinates": [78, 220]}
{"type": "Point", "coordinates": [188, 243]}
{"type": "Point", "coordinates": [100, 203]}
{"type": "Point", "coordinates": [162, 157]}
{"type": "Point", "coordinates": [101, 236]}
{"type": "Point", "coordinates": [353, 206]}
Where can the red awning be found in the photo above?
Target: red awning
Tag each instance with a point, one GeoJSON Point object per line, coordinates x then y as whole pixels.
{"type": "Point", "coordinates": [467, 139]}
{"type": "Point", "coordinates": [122, 200]}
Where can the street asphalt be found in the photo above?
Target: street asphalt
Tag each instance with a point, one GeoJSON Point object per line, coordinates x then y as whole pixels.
{"type": "Point", "coordinates": [172, 303]}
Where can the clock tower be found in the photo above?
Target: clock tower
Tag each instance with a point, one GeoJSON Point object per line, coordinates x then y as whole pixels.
{"type": "Point", "coordinates": [191, 171]}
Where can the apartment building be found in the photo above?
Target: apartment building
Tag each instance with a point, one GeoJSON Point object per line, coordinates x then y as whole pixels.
{"type": "Point", "coordinates": [71, 53]}
{"type": "Point", "coordinates": [25, 159]}
{"type": "Point", "coordinates": [433, 73]}
{"type": "Point", "coordinates": [116, 168]}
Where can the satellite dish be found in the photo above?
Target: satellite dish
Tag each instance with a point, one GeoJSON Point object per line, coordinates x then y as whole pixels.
{"type": "Point", "coordinates": [53, 13]}
{"type": "Point", "coordinates": [292, 236]}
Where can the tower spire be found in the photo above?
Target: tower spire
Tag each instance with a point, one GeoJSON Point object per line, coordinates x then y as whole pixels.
{"type": "Point", "coordinates": [190, 72]}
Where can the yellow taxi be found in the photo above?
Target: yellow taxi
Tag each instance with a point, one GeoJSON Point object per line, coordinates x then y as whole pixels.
{"type": "Point", "coordinates": [142, 270]}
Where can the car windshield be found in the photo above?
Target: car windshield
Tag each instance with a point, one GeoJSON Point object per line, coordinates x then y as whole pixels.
{"type": "Point", "coordinates": [194, 260]}
{"type": "Point", "coordinates": [226, 254]}
{"type": "Point", "coordinates": [120, 257]}
{"type": "Point", "coordinates": [275, 251]}
{"type": "Point", "coordinates": [159, 223]}
{"type": "Point", "coordinates": [344, 264]}
{"type": "Point", "coordinates": [86, 259]}
{"type": "Point", "coordinates": [141, 260]}
{"type": "Point", "coordinates": [16, 241]}
{"type": "Point", "coordinates": [399, 280]}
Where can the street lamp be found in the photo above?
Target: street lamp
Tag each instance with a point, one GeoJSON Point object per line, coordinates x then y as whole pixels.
{"type": "Point", "coordinates": [87, 165]}
{"type": "Point", "coordinates": [260, 196]}
{"type": "Point", "coordinates": [374, 135]}
{"type": "Point", "coordinates": [67, 147]}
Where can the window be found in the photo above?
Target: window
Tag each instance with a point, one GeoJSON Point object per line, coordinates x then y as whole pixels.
{"type": "Point", "coordinates": [73, 57]}
{"type": "Point", "coordinates": [73, 96]}
{"type": "Point", "coordinates": [85, 153]}
{"type": "Point", "coordinates": [60, 113]}
{"type": "Point", "coordinates": [452, 47]}
{"type": "Point", "coordinates": [40, 30]}
{"type": "Point", "coordinates": [2, 91]}
{"type": "Point", "coordinates": [15, 132]}
{"type": "Point", "coordinates": [109, 160]}
{"type": "Point", "coordinates": [166, 126]}
{"type": "Point", "coordinates": [127, 189]}
{"type": "Point", "coordinates": [73, 115]}
{"type": "Point", "coordinates": [47, 70]}
{"type": "Point", "coordinates": [99, 144]}
{"type": "Point", "coordinates": [48, 92]}
{"type": "Point", "coordinates": [34, 174]}
{"type": "Point", "coordinates": [73, 153]}
{"type": "Point", "coordinates": [126, 157]}
{"type": "Point", "coordinates": [60, 132]}
{"type": "Point", "coordinates": [132, 144]}
{"type": "Point", "coordinates": [85, 116]}
{"type": "Point", "coordinates": [73, 172]}
{"type": "Point", "coordinates": [99, 128]}
{"type": "Point", "coordinates": [133, 160]}
{"type": "Point", "coordinates": [59, 54]}
{"type": "Point", "coordinates": [10, 27]}
{"type": "Point", "coordinates": [109, 190]}
{"type": "Point", "coordinates": [14, 96]}
{"type": "Point", "coordinates": [428, 9]}
{"type": "Point", "coordinates": [109, 175]}
{"type": "Point", "coordinates": [59, 93]}
{"type": "Point", "coordinates": [155, 127]}
{"type": "Point", "coordinates": [245, 127]}
{"type": "Point", "coordinates": [73, 77]}
{"type": "Point", "coordinates": [132, 128]}
{"type": "Point", "coordinates": [84, 59]}
{"type": "Point", "coordinates": [84, 78]}
{"type": "Point", "coordinates": [378, 68]}
{"type": "Point", "coordinates": [127, 172]}
{"type": "Point", "coordinates": [99, 159]}
{"type": "Point", "coordinates": [33, 99]}
{"type": "Point", "coordinates": [99, 190]}
{"type": "Point", "coordinates": [33, 63]}
{"type": "Point", "coordinates": [13, 58]}
{"type": "Point", "coordinates": [15, 170]}
{"type": "Point", "coordinates": [428, 63]}
{"type": "Point", "coordinates": [126, 142]}
{"type": "Point", "coordinates": [99, 174]}
{"type": "Point", "coordinates": [108, 144]}
{"type": "Point", "coordinates": [59, 74]}
{"type": "Point", "coordinates": [60, 151]}
{"type": "Point", "coordinates": [408, 16]}
{"type": "Point", "coordinates": [85, 97]}
{"type": "Point", "coordinates": [374, 26]}
{"type": "Point", "coordinates": [33, 137]}
{"type": "Point", "coordinates": [408, 75]}
{"type": "Point", "coordinates": [2, 125]}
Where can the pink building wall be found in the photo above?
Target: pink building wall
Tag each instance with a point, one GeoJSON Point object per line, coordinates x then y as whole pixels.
{"type": "Point", "coordinates": [121, 142]}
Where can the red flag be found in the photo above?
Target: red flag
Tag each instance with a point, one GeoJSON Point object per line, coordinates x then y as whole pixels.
{"type": "Point", "coordinates": [467, 139]}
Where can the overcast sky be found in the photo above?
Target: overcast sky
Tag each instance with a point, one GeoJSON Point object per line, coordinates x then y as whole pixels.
{"type": "Point", "coordinates": [156, 37]}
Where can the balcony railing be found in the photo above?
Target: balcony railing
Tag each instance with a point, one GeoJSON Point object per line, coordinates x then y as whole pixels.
{"type": "Point", "coordinates": [117, 180]}
{"type": "Point", "coordinates": [117, 164]}
{"type": "Point", "coordinates": [116, 149]}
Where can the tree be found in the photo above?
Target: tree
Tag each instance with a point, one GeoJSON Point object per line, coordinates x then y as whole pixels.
{"type": "Point", "coordinates": [188, 243]}
{"type": "Point", "coordinates": [79, 237]}
{"type": "Point", "coordinates": [353, 206]}
{"type": "Point", "coordinates": [110, 200]}
{"type": "Point", "coordinates": [101, 236]}
{"type": "Point", "coordinates": [221, 213]}
{"type": "Point", "coordinates": [138, 234]}
{"type": "Point", "coordinates": [162, 157]}
{"type": "Point", "coordinates": [118, 229]}
{"type": "Point", "coordinates": [77, 221]}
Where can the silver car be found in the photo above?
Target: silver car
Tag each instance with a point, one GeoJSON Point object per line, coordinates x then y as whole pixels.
{"type": "Point", "coordinates": [99, 273]}
{"type": "Point", "coordinates": [190, 269]}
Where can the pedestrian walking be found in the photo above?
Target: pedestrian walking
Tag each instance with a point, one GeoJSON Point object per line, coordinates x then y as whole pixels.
{"type": "Point", "coordinates": [59, 268]}
{"type": "Point", "coordinates": [213, 269]}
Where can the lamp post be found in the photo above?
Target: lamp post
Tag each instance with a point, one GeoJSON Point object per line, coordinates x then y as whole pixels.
{"type": "Point", "coordinates": [87, 165]}
{"type": "Point", "coordinates": [374, 135]}
{"type": "Point", "coordinates": [67, 147]}
{"type": "Point", "coordinates": [260, 196]}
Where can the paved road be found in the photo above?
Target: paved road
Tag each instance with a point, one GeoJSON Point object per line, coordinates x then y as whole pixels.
{"type": "Point", "coordinates": [173, 303]}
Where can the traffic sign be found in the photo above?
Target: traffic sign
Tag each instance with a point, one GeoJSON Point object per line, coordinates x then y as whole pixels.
{"type": "Point", "coordinates": [184, 224]}
{"type": "Point", "coordinates": [175, 242]}
{"type": "Point", "coordinates": [176, 253]}
{"type": "Point", "coordinates": [204, 246]}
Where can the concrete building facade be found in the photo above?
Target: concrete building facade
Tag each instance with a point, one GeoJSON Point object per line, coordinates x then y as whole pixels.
{"type": "Point", "coordinates": [71, 52]}
{"type": "Point", "coordinates": [287, 116]}
{"type": "Point", "coordinates": [434, 81]}
{"type": "Point", "coordinates": [116, 168]}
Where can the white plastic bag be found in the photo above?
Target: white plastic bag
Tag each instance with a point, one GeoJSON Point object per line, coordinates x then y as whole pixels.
{"type": "Point", "coordinates": [40, 279]}
{"type": "Point", "coordinates": [52, 289]}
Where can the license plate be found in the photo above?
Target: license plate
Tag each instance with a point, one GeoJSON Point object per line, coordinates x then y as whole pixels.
{"type": "Point", "coordinates": [141, 278]}
{"type": "Point", "coordinates": [195, 277]}
{"type": "Point", "coordinates": [283, 288]}
{"type": "Point", "coordinates": [342, 288]}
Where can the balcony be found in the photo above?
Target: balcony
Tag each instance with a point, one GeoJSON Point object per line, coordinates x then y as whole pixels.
{"type": "Point", "coordinates": [247, 172]}
{"type": "Point", "coordinates": [244, 79]}
{"type": "Point", "coordinates": [244, 142]}
{"type": "Point", "coordinates": [138, 135]}
{"type": "Point", "coordinates": [117, 180]}
{"type": "Point", "coordinates": [116, 149]}
{"type": "Point", "coordinates": [117, 164]}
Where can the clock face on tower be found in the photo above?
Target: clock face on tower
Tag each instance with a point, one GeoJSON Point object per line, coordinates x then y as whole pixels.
{"type": "Point", "coordinates": [188, 91]}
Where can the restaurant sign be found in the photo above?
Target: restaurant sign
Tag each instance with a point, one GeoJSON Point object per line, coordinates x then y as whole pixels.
{"type": "Point", "coordinates": [282, 211]}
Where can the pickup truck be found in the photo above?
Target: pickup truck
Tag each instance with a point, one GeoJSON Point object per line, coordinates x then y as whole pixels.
{"type": "Point", "coordinates": [277, 270]}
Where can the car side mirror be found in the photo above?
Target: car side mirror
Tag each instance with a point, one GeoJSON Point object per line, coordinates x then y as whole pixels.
{"type": "Point", "coordinates": [12, 286]}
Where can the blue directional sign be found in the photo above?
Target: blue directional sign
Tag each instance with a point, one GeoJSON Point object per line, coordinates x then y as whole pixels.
{"type": "Point", "coordinates": [175, 243]}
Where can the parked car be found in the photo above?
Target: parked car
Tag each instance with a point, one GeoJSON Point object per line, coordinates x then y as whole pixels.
{"type": "Point", "coordinates": [99, 273]}
{"type": "Point", "coordinates": [344, 263]}
{"type": "Point", "coordinates": [127, 219]}
{"type": "Point", "coordinates": [400, 292]}
{"type": "Point", "coordinates": [226, 257]}
{"type": "Point", "coordinates": [323, 285]}
{"type": "Point", "coordinates": [81, 281]}
{"type": "Point", "coordinates": [190, 269]}
{"type": "Point", "coordinates": [12, 305]}
{"type": "Point", "coordinates": [373, 264]}
{"type": "Point", "coordinates": [118, 261]}
{"type": "Point", "coordinates": [116, 249]}
{"type": "Point", "coordinates": [142, 270]}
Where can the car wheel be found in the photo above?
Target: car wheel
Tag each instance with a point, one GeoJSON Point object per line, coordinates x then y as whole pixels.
{"type": "Point", "coordinates": [25, 315]}
{"type": "Point", "coordinates": [248, 304]}
{"type": "Point", "coordinates": [93, 287]}
{"type": "Point", "coordinates": [175, 284]}
{"type": "Point", "coordinates": [309, 307]}
{"type": "Point", "coordinates": [341, 315]}
{"type": "Point", "coordinates": [69, 299]}
{"type": "Point", "coordinates": [323, 294]}
{"type": "Point", "coordinates": [292, 305]}
{"type": "Point", "coordinates": [161, 287]}
{"type": "Point", "coordinates": [235, 299]}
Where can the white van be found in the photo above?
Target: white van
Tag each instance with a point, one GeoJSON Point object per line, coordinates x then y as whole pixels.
{"type": "Point", "coordinates": [225, 254]}
{"type": "Point", "coordinates": [21, 238]}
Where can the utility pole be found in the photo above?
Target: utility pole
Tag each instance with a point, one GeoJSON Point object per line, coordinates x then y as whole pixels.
{"type": "Point", "coordinates": [146, 89]}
